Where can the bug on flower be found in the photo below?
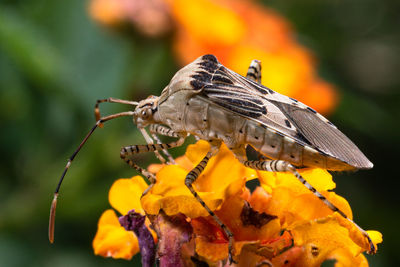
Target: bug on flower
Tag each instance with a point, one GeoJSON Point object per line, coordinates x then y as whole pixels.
{"type": "Point", "coordinates": [213, 103]}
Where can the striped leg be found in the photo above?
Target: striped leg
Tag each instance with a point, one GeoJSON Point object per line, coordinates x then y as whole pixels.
{"type": "Point", "coordinates": [190, 179]}
{"type": "Point", "coordinates": [150, 141]}
{"type": "Point", "coordinates": [162, 130]}
{"type": "Point", "coordinates": [284, 166]}
{"type": "Point", "coordinates": [128, 151]}
{"type": "Point", "coordinates": [165, 131]}
{"type": "Point", "coordinates": [254, 71]}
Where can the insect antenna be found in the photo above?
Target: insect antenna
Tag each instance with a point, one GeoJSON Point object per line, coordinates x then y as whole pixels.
{"type": "Point", "coordinates": [99, 122]}
{"type": "Point", "coordinates": [110, 100]}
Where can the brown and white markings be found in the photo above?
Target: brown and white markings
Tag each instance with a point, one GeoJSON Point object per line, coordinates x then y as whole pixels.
{"type": "Point", "coordinates": [211, 102]}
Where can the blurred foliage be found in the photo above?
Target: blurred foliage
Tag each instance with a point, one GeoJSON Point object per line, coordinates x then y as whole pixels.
{"type": "Point", "coordinates": [55, 62]}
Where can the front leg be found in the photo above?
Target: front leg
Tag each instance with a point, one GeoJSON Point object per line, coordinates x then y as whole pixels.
{"type": "Point", "coordinates": [128, 151]}
{"type": "Point", "coordinates": [165, 131]}
{"type": "Point", "coordinates": [150, 141]}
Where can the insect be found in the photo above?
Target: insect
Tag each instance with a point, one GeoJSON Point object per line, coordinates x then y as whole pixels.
{"type": "Point", "coordinates": [211, 102]}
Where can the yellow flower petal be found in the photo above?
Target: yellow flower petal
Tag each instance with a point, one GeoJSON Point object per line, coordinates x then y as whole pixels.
{"type": "Point", "coordinates": [345, 259]}
{"type": "Point", "coordinates": [221, 170]}
{"type": "Point", "coordinates": [112, 240]}
{"type": "Point", "coordinates": [288, 258]}
{"type": "Point", "coordinates": [223, 177]}
{"type": "Point", "coordinates": [171, 194]}
{"type": "Point", "coordinates": [182, 161]}
{"type": "Point", "coordinates": [211, 251]}
{"type": "Point", "coordinates": [322, 238]}
{"type": "Point", "coordinates": [124, 194]}
{"type": "Point", "coordinates": [259, 199]}
{"type": "Point", "coordinates": [308, 206]}
{"type": "Point", "coordinates": [320, 179]}
{"type": "Point", "coordinates": [356, 235]}
{"type": "Point", "coordinates": [292, 201]}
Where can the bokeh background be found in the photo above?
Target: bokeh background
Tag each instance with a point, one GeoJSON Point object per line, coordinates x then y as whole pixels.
{"type": "Point", "coordinates": [58, 57]}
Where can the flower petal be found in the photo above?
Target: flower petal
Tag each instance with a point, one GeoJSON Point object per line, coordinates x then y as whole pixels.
{"type": "Point", "coordinates": [356, 235]}
{"type": "Point", "coordinates": [345, 259]}
{"type": "Point", "coordinates": [291, 201]}
{"type": "Point", "coordinates": [124, 194]}
{"type": "Point", "coordinates": [135, 222]}
{"type": "Point", "coordinates": [171, 194]}
{"type": "Point", "coordinates": [211, 242]}
{"type": "Point", "coordinates": [112, 240]}
{"type": "Point", "coordinates": [320, 179]}
{"type": "Point", "coordinates": [174, 232]}
{"type": "Point", "coordinates": [288, 258]}
{"type": "Point", "coordinates": [223, 177]}
{"type": "Point", "coordinates": [182, 161]}
{"type": "Point", "coordinates": [222, 169]}
{"type": "Point", "coordinates": [323, 237]}
{"type": "Point", "coordinates": [211, 251]}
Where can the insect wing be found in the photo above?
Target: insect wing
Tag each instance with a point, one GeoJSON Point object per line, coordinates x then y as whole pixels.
{"type": "Point", "coordinates": [285, 115]}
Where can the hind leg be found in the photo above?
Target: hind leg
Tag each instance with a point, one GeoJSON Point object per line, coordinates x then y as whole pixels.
{"type": "Point", "coordinates": [284, 166]}
{"type": "Point", "coordinates": [254, 71]}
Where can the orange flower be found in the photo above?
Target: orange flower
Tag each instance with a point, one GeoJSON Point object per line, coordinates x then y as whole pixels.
{"type": "Point", "coordinates": [111, 239]}
{"type": "Point", "coordinates": [281, 221]}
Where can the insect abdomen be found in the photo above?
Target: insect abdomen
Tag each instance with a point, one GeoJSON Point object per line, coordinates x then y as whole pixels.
{"type": "Point", "coordinates": [274, 145]}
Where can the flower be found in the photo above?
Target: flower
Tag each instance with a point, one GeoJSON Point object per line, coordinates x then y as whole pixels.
{"type": "Point", "coordinates": [111, 239]}
{"type": "Point", "coordinates": [281, 221]}
{"type": "Point", "coordinates": [236, 31]}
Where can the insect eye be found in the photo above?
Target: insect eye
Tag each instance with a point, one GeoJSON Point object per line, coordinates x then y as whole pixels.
{"type": "Point", "coordinates": [146, 113]}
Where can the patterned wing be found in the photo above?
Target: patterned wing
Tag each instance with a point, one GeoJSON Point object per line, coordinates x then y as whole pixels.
{"type": "Point", "coordinates": [286, 115]}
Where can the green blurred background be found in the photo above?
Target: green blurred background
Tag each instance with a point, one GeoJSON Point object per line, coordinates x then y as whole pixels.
{"type": "Point", "coordinates": [55, 62]}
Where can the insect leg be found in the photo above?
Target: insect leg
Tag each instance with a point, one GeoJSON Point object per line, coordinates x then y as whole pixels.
{"type": "Point", "coordinates": [150, 141]}
{"type": "Point", "coordinates": [71, 158]}
{"type": "Point", "coordinates": [254, 71]}
{"type": "Point", "coordinates": [110, 100]}
{"type": "Point", "coordinates": [165, 131]}
{"type": "Point", "coordinates": [190, 179]}
{"type": "Point", "coordinates": [284, 166]}
{"type": "Point", "coordinates": [162, 130]}
{"type": "Point", "coordinates": [128, 151]}
{"type": "Point", "coordinates": [126, 102]}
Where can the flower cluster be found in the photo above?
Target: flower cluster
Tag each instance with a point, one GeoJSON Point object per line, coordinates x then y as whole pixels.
{"type": "Point", "coordinates": [236, 32]}
{"type": "Point", "coordinates": [280, 222]}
